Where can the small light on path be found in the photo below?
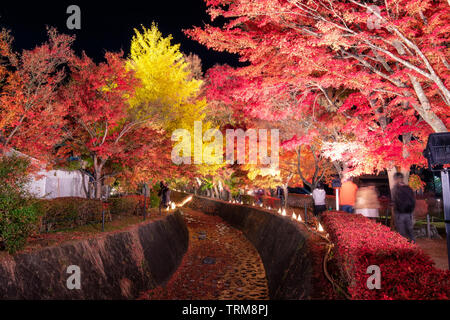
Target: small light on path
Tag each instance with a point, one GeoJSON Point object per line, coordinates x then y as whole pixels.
{"type": "Point", "coordinates": [320, 228]}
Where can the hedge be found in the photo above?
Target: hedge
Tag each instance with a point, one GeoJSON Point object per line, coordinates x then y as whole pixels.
{"type": "Point", "coordinates": [406, 271]}
{"type": "Point", "coordinates": [68, 213]}
{"type": "Point", "coordinates": [129, 205]}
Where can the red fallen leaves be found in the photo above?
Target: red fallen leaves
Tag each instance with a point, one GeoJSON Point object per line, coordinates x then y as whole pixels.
{"type": "Point", "coordinates": [406, 271]}
{"type": "Point", "coordinates": [237, 272]}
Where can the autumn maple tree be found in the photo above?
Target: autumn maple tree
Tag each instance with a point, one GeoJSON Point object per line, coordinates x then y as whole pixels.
{"type": "Point", "coordinates": [30, 113]}
{"type": "Point", "coordinates": [101, 130]}
{"type": "Point", "coordinates": [378, 75]}
{"type": "Point", "coordinates": [300, 130]}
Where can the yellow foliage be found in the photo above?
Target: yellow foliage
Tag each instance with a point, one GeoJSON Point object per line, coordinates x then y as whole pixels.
{"type": "Point", "coordinates": [167, 94]}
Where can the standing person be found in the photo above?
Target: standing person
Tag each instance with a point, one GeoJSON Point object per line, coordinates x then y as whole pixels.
{"type": "Point", "coordinates": [259, 196]}
{"type": "Point", "coordinates": [164, 194]}
{"type": "Point", "coordinates": [404, 205]}
{"type": "Point", "coordinates": [347, 195]}
{"type": "Point", "coordinates": [319, 199]}
{"type": "Point", "coordinates": [239, 196]}
{"type": "Point", "coordinates": [280, 195]}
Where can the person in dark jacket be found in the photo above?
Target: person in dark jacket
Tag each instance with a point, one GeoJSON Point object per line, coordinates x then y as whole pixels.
{"type": "Point", "coordinates": [259, 196]}
{"type": "Point", "coordinates": [404, 205]}
{"type": "Point", "coordinates": [280, 195]}
{"type": "Point", "coordinates": [164, 194]}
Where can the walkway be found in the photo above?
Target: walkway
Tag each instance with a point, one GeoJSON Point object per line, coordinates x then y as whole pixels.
{"type": "Point", "coordinates": [221, 264]}
{"type": "Point", "coordinates": [437, 250]}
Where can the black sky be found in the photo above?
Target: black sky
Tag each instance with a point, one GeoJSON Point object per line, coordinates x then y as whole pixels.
{"type": "Point", "coordinates": [108, 25]}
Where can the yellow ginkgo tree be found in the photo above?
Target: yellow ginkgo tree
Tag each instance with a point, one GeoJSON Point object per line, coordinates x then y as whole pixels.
{"type": "Point", "coordinates": [169, 94]}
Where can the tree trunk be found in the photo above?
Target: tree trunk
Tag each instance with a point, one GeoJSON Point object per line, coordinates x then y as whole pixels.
{"type": "Point", "coordinates": [391, 172]}
{"type": "Point", "coordinates": [83, 182]}
{"type": "Point", "coordinates": [338, 168]}
{"type": "Point", "coordinates": [286, 195]}
{"type": "Point", "coordinates": [299, 168]}
{"type": "Point", "coordinates": [285, 189]}
{"type": "Point", "coordinates": [98, 184]}
{"type": "Point", "coordinates": [98, 168]}
{"type": "Point", "coordinates": [405, 172]}
{"type": "Point", "coordinates": [216, 193]}
{"type": "Point", "coordinates": [424, 109]}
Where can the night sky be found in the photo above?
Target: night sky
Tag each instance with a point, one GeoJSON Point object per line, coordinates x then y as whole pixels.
{"type": "Point", "coordinates": [108, 25]}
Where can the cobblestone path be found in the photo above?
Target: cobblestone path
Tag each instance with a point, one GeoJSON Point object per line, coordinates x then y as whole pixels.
{"type": "Point", "coordinates": [220, 264]}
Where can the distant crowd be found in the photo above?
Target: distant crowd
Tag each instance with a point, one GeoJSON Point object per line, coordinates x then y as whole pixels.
{"type": "Point", "coordinates": [364, 201]}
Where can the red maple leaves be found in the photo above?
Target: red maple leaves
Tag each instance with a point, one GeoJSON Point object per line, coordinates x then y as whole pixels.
{"type": "Point", "coordinates": [379, 80]}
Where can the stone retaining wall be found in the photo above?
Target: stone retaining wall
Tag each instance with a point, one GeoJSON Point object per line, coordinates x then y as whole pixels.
{"type": "Point", "coordinates": [281, 243]}
{"type": "Point", "coordinates": [117, 265]}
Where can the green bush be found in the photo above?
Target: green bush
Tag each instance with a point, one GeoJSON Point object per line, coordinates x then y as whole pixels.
{"type": "Point", "coordinates": [126, 205]}
{"type": "Point", "coordinates": [17, 225]}
{"type": "Point", "coordinates": [154, 200]}
{"type": "Point", "coordinates": [68, 213]}
{"type": "Point", "coordinates": [132, 204]}
{"type": "Point", "coordinates": [18, 211]}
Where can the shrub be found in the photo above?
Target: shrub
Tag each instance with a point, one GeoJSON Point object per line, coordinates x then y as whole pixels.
{"type": "Point", "coordinates": [132, 204]}
{"type": "Point", "coordinates": [154, 200]}
{"type": "Point", "coordinates": [68, 213]}
{"type": "Point", "coordinates": [406, 271]}
{"type": "Point", "coordinates": [248, 198]}
{"type": "Point", "coordinates": [126, 205]}
{"type": "Point", "coordinates": [18, 212]}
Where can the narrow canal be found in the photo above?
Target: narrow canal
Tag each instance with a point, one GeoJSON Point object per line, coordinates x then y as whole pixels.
{"type": "Point", "coordinates": [220, 264]}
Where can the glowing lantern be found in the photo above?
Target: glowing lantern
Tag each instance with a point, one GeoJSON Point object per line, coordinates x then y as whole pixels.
{"type": "Point", "coordinates": [294, 216]}
{"type": "Point", "coordinates": [299, 218]}
{"type": "Point", "coordinates": [173, 206]}
{"type": "Point", "coordinates": [320, 228]}
{"type": "Point", "coordinates": [279, 211]}
{"type": "Point", "coordinates": [185, 201]}
{"type": "Point", "coordinates": [284, 212]}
